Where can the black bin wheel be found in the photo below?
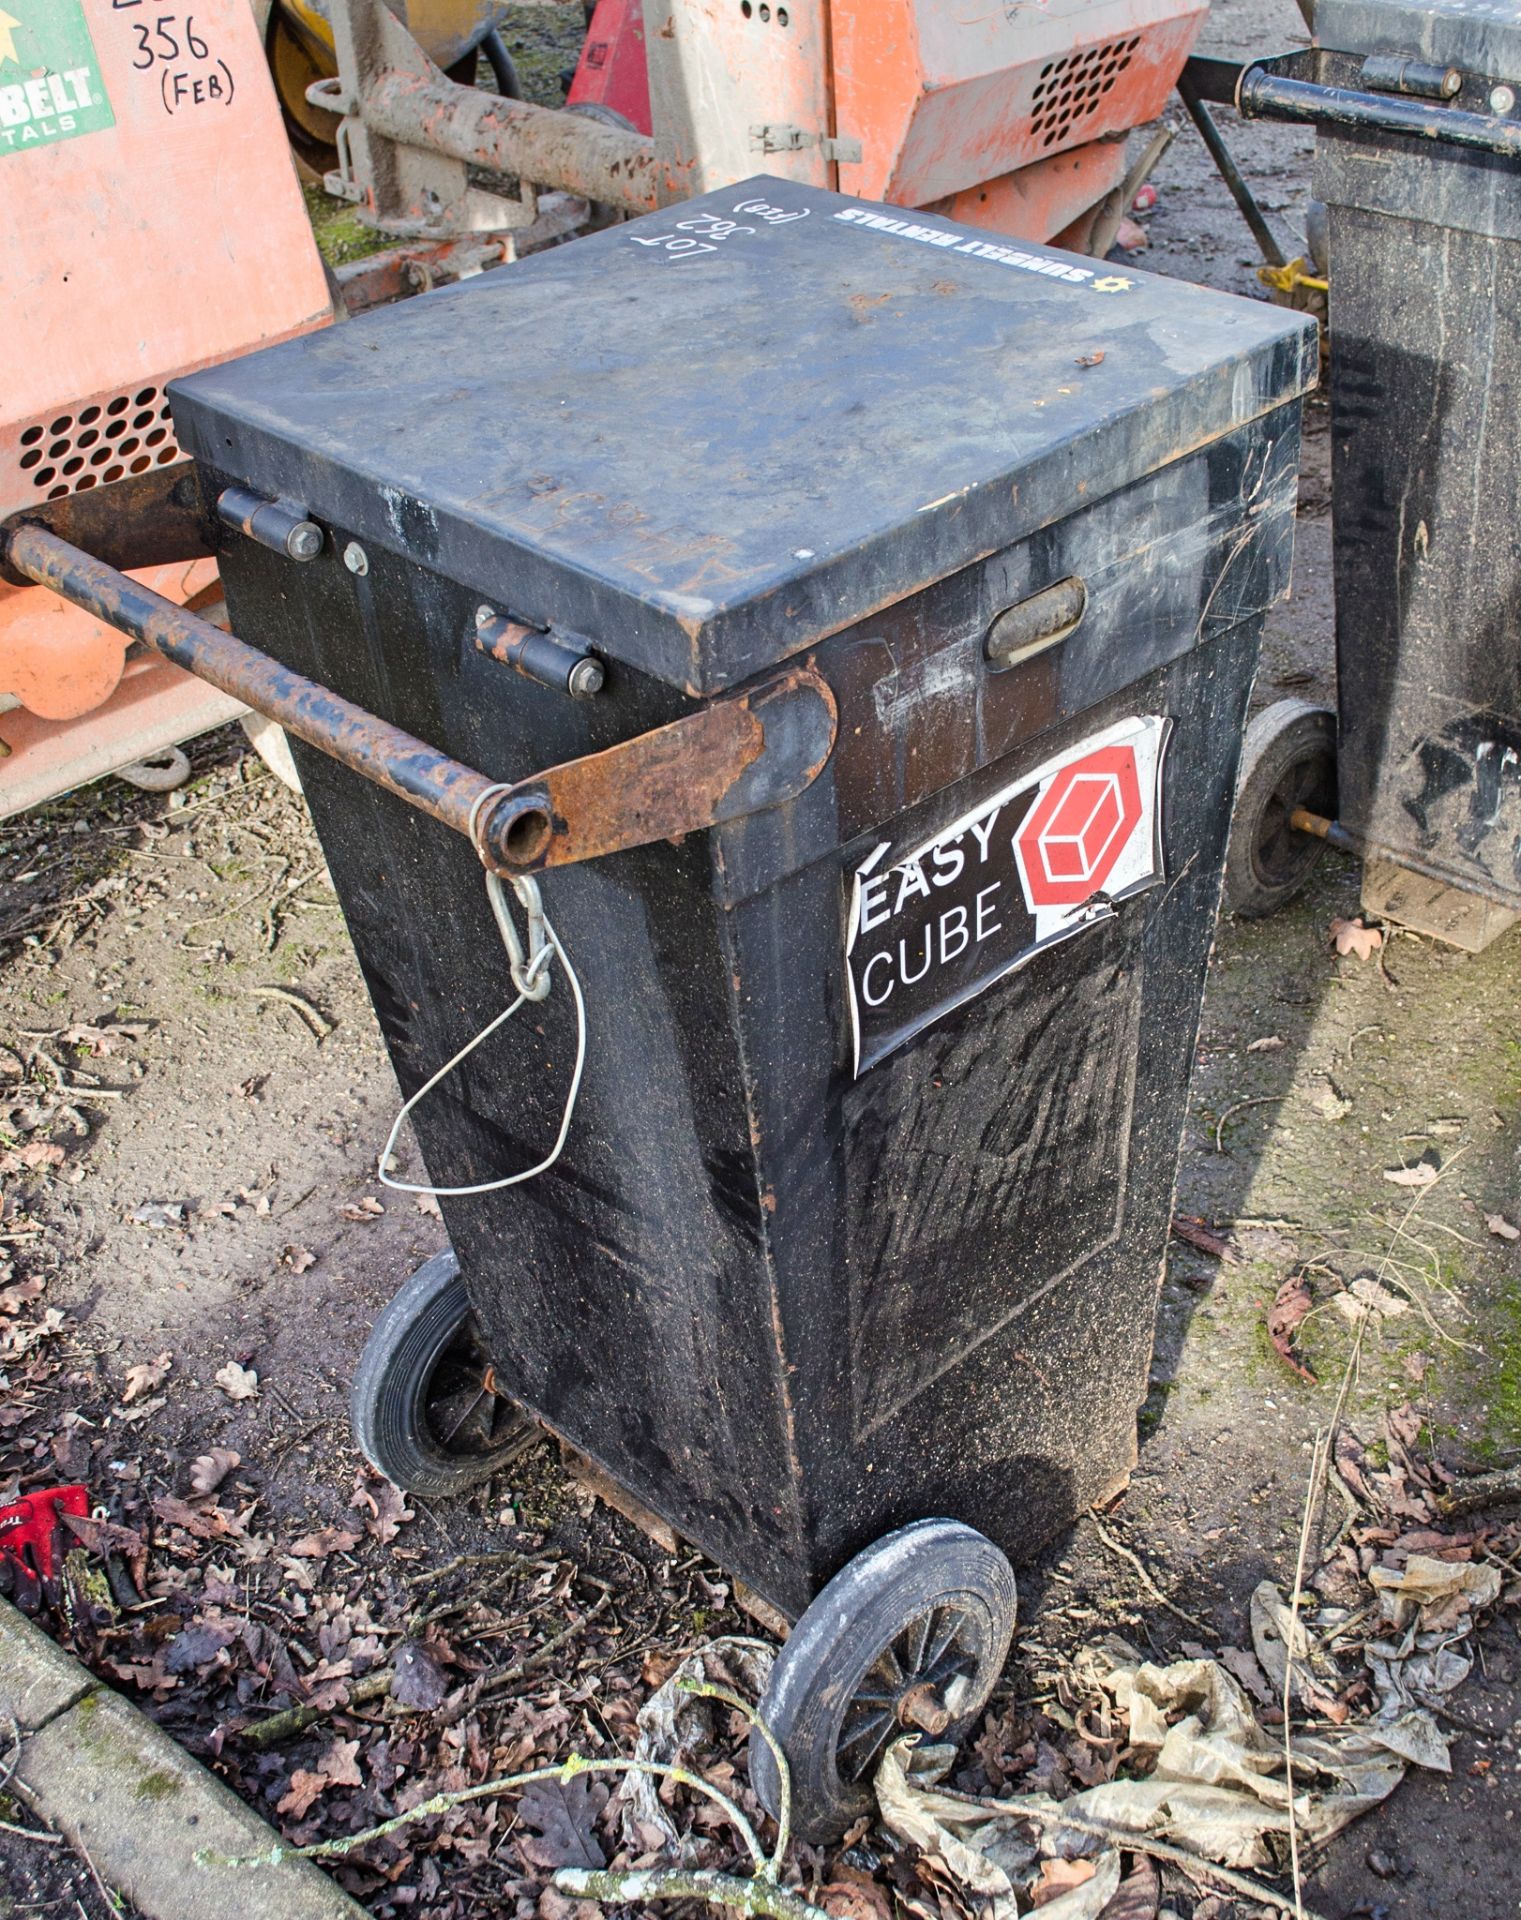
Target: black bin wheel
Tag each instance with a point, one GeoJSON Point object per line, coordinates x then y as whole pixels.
{"type": "Point", "coordinates": [910, 1636]}
{"type": "Point", "coordinates": [424, 1403]}
{"type": "Point", "coordinates": [1288, 760]}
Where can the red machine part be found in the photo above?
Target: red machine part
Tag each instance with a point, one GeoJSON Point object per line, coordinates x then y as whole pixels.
{"type": "Point", "coordinates": [31, 1529]}
{"type": "Point", "coordinates": [612, 77]}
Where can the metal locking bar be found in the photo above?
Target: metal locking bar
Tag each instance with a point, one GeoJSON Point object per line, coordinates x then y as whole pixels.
{"type": "Point", "coordinates": [731, 757]}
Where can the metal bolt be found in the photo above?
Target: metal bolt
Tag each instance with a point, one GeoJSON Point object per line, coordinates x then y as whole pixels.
{"type": "Point", "coordinates": [355, 558]}
{"type": "Point", "coordinates": [484, 616]}
{"type": "Point", "coordinates": [1502, 99]}
{"type": "Point", "coordinates": [304, 541]}
{"type": "Point", "coordinates": [586, 678]}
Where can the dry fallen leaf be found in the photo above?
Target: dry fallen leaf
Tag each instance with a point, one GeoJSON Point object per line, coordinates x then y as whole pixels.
{"type": "Point", "coordinates": [1090, 359]}
{"type": "Point", "coordinates": [1269, 1043]}
{"type": "Point", "coordinates": [369, 1208]}
{"type": "Point", "coordinates": [1501, 1228]}
{"type": "Point", "coordinates": [317, 1546]}
{"type": "Point", "coordinates": [1139, 1896]}
{"type": "Point", "coordinates": [209, 1470]}
{"type": "Point", "coordinates": [145, 1376]}
{"type": "Point", "coordinates": [1351, 936]}
{"type": "Point", "coordinates": [1422, 1174]}
{"type": "Point", "coordinates": [338, 1767]}
{"type": "Point", "coordinates": [238, 1383]}
{"type": "Point", "coordinates": [425, 1203]}
{"type": "Point", "coordinates": [298, 1259]}
{"type": "Point", "coordinates": [1060, 1876]}
{"type": "Point", "coordinates": [1290, 1305]}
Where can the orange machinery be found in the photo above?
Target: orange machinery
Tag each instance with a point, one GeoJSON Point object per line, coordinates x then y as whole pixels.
{"type": "Point", "coordinates": [152, 223]}
{"type": "Point", "coordinates": [1011, 114]}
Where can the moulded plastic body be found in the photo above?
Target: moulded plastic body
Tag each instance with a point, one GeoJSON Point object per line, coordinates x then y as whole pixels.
{"type": "Point", "coordinates": [862, 1211]}
{"type": "Point", "coordinates": [1425, 245]}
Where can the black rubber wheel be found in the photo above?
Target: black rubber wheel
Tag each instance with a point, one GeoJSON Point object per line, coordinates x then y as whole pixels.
{"type": "Point", "coordinates": [503, 69]}
{"type": "Point", "coordinates": [424, 1404]}
{"type": "Point", "coordinates": [1288, 760]}
{"type": "Point", "coordinates": [910, 1636]}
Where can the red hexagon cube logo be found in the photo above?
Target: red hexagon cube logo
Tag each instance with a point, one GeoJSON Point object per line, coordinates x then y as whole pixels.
{"type": "Point", "coordinates": [1074, 835]}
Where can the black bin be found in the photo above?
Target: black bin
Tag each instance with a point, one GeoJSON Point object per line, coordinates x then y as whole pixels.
{"type": "Point", "coordinates": [1425, 250]}
{"type": "Point", "coordinates": [861, 1215]}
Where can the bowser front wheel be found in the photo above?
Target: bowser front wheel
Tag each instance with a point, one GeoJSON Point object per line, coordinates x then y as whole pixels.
{"type": "Point", "coordinates": [1288, 760]}
{"type": "Point", "coordinates": [910, 1636]}
{"type": "Point", "coordinates": [425, 1406]}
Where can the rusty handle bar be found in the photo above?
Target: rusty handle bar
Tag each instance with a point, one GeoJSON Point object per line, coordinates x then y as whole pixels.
{"type": "Point", "coordinates": [397, 761]}
{"type": "Point", "coordinates": [547, 145]}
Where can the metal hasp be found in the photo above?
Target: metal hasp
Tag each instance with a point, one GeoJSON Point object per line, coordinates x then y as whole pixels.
{"type": "Point", "coordinates": [732, 757]}
{"type": "Point", "coordinates": [409, 137]}
{"type": "Point", "coordinates": [728, 758]}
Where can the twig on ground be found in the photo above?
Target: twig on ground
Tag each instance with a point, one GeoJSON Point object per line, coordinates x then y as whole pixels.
{"type": "Point", "coordinates": [543, 1655]}
{"type": "Point", "coordinates": [317, 1023]}
{"type": "Point", "coordinates": [1258, 1100]}
{"type": "Point", "coordinates": [294, 1720]}
{"type": "Point", "coordinates": [1150, 1585]}
{"type": "Point", "coordinates": [1481, 1490]}
{"type": "Point", "coordinates": [757, 1896]}
{"type": "Point", "coordinates": [487, 1790]}
{"type": "Point", "coordinates": [705, 1690]}
{"type": "Point", "coordinates": [1312, 1494]}
{"type": "Point", "coordinates": [507, 1557]}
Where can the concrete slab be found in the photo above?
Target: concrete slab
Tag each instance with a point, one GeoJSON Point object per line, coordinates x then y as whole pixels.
{"type": "Point", "coordinates": [38, 1680]}
{"type": "Point", "coordinates": [119, 1788]}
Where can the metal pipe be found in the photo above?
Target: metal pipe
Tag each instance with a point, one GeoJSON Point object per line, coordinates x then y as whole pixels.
{"type": "Point", "coordinates": [552, 148]}
{"type": "Point", "coordinates": [1347, 840]}
{"type": "Point", "coordinates": [403, 765]}
{"type": "Point", "coordinates": [1230, 173]}
{"type": "Point", "coordinates": [1270, 96]}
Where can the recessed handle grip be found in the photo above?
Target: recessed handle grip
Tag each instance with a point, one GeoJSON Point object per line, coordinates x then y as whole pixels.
{"type": "Point", "coordinates": [1029, 627]}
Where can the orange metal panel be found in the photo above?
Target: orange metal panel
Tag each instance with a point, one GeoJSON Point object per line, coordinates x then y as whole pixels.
{"type": "Point", "coordinates": [151, 222]}
{"type": "Point", "coordinates": [947, 98]}
{"type": "Point", "coordinates": [153, 706]}
{"type": "Point", "coordinates": [173, 237]}
{"type": "Point", "coordinates": [1045, 201]}
{"type": "Point", "coordinates": [732, 82]}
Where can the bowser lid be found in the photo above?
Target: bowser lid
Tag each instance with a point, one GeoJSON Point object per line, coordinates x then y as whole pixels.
{"type": "Point", "coordinates": [1481, 36]}
{"type": "Point", "coordinates": [709, 437]}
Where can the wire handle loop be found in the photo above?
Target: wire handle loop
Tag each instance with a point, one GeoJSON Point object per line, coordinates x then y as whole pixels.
{"type": "Point", "coordinates": [530, 971]}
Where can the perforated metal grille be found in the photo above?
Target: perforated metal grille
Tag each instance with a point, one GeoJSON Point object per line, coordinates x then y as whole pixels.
{"type": "Point", "coordinates": [97, 443]}
{"type": "Point", "coordinates": [1070, 89]}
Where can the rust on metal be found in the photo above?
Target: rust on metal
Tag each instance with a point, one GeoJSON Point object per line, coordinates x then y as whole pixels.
{"type": "Point", "coordinates": [385, 754]}
{"type": "Point", "coordinates": [734, 756]}
{"type": "Point", "coordinates": [921, 1706]}
{"type": "Point", "coordinates": [579, 155]}
{"type": "Point", "coordinates": [148, 520]}
{"type": "Point", "coordinates": [381, 278]}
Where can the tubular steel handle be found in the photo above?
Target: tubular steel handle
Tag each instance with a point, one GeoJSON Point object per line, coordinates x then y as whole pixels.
{"type": "Point", "coordinates": [729, 758]}
{"type": "Point", "coordinates": [1321, 87]}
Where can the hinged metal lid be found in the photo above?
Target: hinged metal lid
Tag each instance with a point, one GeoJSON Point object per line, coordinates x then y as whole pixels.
{"type": "Point", "coordinates": [711, 436]}
{"type": "Point", "coordinates": [1482, 37]}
